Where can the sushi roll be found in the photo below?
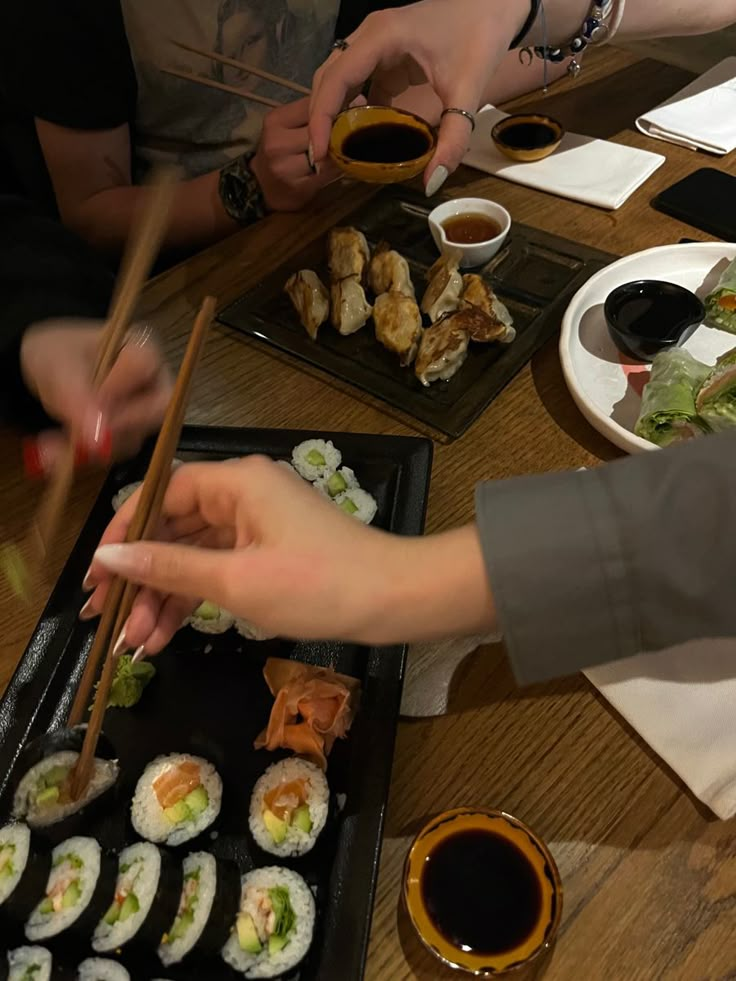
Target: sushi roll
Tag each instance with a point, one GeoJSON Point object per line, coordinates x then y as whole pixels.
{"type": "Point", "coordinates": [336, 483]}
{"type": "Point", "coordinates": [23, 872]}
{"type": "Point", "coordinates": [359, 503]}
{"type": "Point", "coordinates": [101, 969]}
{"type": "Point", "coordinates": [275, 924]}
{"type": "Point", "coordinates": [79, 882]}
{"type": "Point", "coordinates": [314, 458]}
{"type": "Point", "coordinates": [176, 798]}
{"type": "Point", "coordinates": [208, 905]}
{"type": "Point", "coordinates": [124, 493]}
{"type": "Point", "coordinates": [29, 964]}
{"type": "Point", "coordinates": [248, 630]}
{"type": "Point", "coordinates": [146, 894]}
{"type": "Point", "coordinates": [209, 618]}
{"type": "Point", "coordinates": [288, 808]}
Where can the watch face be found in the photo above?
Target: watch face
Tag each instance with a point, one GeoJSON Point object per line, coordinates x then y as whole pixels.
{"type": "Point", "coordinates": [241, 193]}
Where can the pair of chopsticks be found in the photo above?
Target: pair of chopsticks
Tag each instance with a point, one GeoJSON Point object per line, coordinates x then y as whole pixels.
{"type": "Point", "coordinates": [140, 254]}
{"type": "Point", "coordinates": [120, 597]}
{"type": "Point", "coordinates": [232, 63]}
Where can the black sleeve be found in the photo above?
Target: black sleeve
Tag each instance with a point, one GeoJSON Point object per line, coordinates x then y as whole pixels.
{"type": "Point", "coordinates": [45, 271]}
{"type": "Point", "coordinates": [354, 12]}
{"type": "Point", "coordinates": [67, 62]}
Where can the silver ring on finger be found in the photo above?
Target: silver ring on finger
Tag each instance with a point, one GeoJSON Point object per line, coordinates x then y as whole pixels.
{"type": "Point", "coordinates": [339, 44]}
{"type": "Point", "coordinates": [461, 112]}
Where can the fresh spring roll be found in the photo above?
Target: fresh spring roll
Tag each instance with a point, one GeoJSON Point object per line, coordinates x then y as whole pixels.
{"type": "Point", "coordinates": [146, 896]}
{"type": "Point", "coordinates": [289, 806]}
{"type": "Point", "coordinates": [716, 400]}
{"type": "Point", "coordinates": [79, 888]}
{"type": "Point", "coordinates": [720, 303]}
{"type": "Point", "coordinates": [208, 905]}
{"type": "Point", "coordinates": [668, 414]}
{"type": "Point", "coordinates": [29, 964]}
{"type": "Point", "coordinates": [23, 872]}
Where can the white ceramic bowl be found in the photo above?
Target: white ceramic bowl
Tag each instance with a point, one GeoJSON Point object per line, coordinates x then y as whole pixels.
{"type": "Point", "coordinates": [478, 253]}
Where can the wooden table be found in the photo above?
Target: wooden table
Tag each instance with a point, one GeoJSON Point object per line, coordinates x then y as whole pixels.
{"type": "Point", "coordinates": [650, 877]}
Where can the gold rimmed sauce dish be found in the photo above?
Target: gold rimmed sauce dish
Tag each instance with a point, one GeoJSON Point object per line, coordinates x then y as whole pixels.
{"type": "Point", "coordinates": [381, 145]}
{"type": "Point", "coordinates": [527, 137]}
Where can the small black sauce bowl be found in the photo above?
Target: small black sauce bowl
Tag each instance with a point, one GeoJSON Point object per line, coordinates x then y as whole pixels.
{"type": "Point", "coordinates": [650, 315]}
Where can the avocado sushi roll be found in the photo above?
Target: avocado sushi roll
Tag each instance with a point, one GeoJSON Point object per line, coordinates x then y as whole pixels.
{"type": "Point", "coordinates": [207, 906]}
{"type": "Point", "coordinates": [358, 503]}
{"type": "Point", "coordinates": [78, 883]}
{"type": "Point", "coordinates": [274, 928]}
{"type": "Point", "coordinates": [29, 964]}
{"type": "Point", "coordinates": [314, 458]}
{"type": "Point", "coordinates": [23, 872]}
{"type": "Point", "coordinates": [209, 618]}
{"type": "Point", "coordinates": [288, 808]}
{"type": "Point", "coordinates": [100, 969]}
{"type": "Point", "coordinates": [42, 797]}
{"type": "Point", "coordinates": [176, 798]}
{"type": "Point", "coordinates": [146, 894]}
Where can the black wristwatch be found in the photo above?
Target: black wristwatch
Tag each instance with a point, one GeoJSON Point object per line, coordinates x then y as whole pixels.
{"type": "Point", "coordinates": [240, 191]}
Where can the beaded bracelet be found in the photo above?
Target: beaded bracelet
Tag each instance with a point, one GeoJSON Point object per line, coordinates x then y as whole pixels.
{"type": "Point", "coordinates": [594, 30]}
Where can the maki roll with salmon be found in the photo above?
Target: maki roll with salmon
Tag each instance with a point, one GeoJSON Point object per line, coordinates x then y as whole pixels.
{"type": "Point", "coordinates": [23, 872]}
{"type": "Point", "coordinates": [289, 806]}
{"type": "Point", "coordinates": [275, 925]}
{"type": "Point", "coordinates": [146, 895]}
{"type": "Point", "coordinates": [101, 969]}
{"type": "Point", "coordinates": [176, 798]}
{"type": "Point", "coordinates": [79, 887]}
{"type": "Point", "coordinates": [29, 964]}
{"type": "Point", "coordinates": [207, 906]}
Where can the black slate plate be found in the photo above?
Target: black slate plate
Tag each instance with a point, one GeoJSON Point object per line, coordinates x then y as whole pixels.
{"type": "Point", "coordinates": [209, 697]}
{"type": "Point", "coordinates": [535, 274]}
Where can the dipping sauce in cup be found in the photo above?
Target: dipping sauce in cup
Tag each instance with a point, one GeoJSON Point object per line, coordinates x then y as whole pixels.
{"type": "Point", "coordinates": [482, 891]}
{"type": "Point", "coordinates": [381, 144]}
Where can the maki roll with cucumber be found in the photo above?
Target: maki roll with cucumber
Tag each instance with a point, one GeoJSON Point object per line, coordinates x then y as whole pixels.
{"type": "Point", "coordinates": [29, 964]}
{"type": "Point", "coordinates": [43, 796]}
{"type": "Point", "coordinates": [78, 887]}
{"type": "Point", "coordinates": [338, 482]}
{"type": "Point", "coordinates": [314, 458]}
{"type": "Point", "coordinates": [289, 806]}
{"type": "Point", "coordinates": [358, 503]}
{"type": "Point", "coordinates": [23, 872]}
{"type": "Point", "coordinates": [100, 969]}
{"type": "Point", "coordinates": [209, 618]}
{"type": "Point", "coordinates": [207, 906]}
{"type": "Point", "coordinates": [146, 894]}
{"type": "Point", "coordinates": [274, 928]}
{"type": "Point", "coordinates": [176, 798]}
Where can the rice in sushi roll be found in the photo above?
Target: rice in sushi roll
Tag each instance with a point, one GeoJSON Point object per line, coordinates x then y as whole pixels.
{"type": "Point", "coordinates": [124, 493]}
{"type": "Point", "coordinates": [42, 797]}
{"type": "Point", "coordinates": [73, 887]}
{"type": "Point", "coordinates": [101, 969]}
{"type": "Point", "coordinates": [336, 483]}
{"type": "Point", "coordinates": [146, 879]}
{"type": "Point", "coordinates": [359, 503]}
{"type": "Point", "coordinates": [249, 630]}
{"type": "Point", "coordinates": [314, 458]}
{"type": "Point", "coordinates": [29, 964]}
{"type": "Point", "coordinates": [288, 808]}
{"type": "Point", "coordinates": [274, 927]}
{"type": "Point", "coordinates": [209, 618]}
{"type": "Point", "coordinates": [176, 798]}
{"type": "Point", "coordinates": [207, 906]}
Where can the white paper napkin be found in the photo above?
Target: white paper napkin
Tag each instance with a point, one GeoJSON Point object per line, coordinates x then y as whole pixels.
{"type": "Point", "coordinates": [702, 116]}
{"type": "Point", "coordinates": [584, 169]}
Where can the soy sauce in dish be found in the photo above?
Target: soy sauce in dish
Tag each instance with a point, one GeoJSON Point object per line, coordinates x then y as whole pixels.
{"type": "Point", "coordinates": [481, 892]}
{"type": "Point", "coordinates": [386, 143]}
{"type": "Point", "coordinates": [527, 136]}
{"type": "Point", "coordinates": [660, 316]}
{"type": "Point", "coordinates": [467, 229]}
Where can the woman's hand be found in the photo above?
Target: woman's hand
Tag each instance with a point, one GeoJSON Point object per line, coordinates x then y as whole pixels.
{"type": "Point", "coordinates": [294, 564]}
{"type": "Point", "coordinates": [57, 361]}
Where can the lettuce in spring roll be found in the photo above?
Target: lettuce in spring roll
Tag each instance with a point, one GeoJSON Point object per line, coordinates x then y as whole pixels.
{"type": "Point", "coordinates": [668, 413]}
{"type": "Point", "coordinates": [720, 303]}
{"type": "Point", "coordinates": [716, 400]}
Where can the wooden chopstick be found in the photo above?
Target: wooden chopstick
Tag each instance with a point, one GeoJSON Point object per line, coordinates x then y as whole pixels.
{"type": "Point", "coordinates": [119, 600]}
{"type": "Point", "coordinates": [250, 69]}
{"type": "Point", "coordinates": [143, 247]}
{"type": "Point", "coordinates": [210, 83]}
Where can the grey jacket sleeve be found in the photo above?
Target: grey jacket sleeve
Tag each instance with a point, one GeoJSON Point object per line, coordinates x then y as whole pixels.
{"type": "Point", "coordinates": [595, 566]}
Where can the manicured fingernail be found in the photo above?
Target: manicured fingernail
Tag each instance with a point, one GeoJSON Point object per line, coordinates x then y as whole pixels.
{"type": "Point", "coordinates": [87, 613]}
{"type": "Point", "coordinates": [310, 155]}
{"type": "Point", "coordinates": [87, 583]}
{"type": "Point", "coordinates": [98, 436]}
{"type": "Point", "coordinates": [122, 559]}
{"type": "Point", "coordinates": [435, 182]}
{"type": "Point", "coordinates": [140, 653]}
{"type": "Point", "coordinates": [121, 646]}
{"type": "Point", "coordinates": [33, 464]}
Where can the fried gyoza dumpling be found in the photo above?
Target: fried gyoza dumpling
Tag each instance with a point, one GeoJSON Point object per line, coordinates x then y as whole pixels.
{"type": "Point", "coordinates": [311, 299]}
{"type": "Point", "coordinates": [347, 253]}
{"type": "Point", "coordinates": [389, 272]}
{"type": "Point", "coordinates": [442, 349]}
{"type": "Point", "coordinates": [498, 322]}
{"type": "Point", "coordinates": [445, 286]}
{"type": "Point", "coordinates": [350, 309]}
{"type": "Point", "coordinates": [398, 324]}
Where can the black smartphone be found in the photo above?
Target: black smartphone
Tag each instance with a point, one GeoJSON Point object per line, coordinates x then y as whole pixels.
{"type": "Point", "coordinates": [706, 199]}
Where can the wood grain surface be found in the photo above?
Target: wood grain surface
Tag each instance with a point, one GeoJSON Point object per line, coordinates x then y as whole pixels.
{"type": "Point", "coordinates": [649, 875]}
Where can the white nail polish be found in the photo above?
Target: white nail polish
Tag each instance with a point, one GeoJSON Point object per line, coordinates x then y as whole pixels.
{"type": "Point", "coordinates": [86, 584]}
{"type": "Point", "coordinates": [86, 613]}
{"type": "Point", "coordinates": [121, 645]}
{"type": "Point", "coordinates": [435, 182]}
{"type": "Point", "coordinates": [139, 654]}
